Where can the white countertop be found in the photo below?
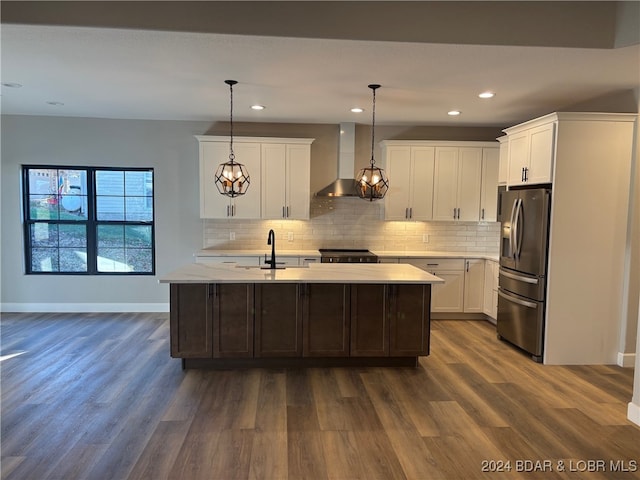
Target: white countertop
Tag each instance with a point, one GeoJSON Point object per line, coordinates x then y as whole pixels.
{"type": "Point", "coordinates": [315, 253]}
{"type": "Point", "coordinates": [434, 254]}
{"type": "Point", "coordinates": [317, 273]}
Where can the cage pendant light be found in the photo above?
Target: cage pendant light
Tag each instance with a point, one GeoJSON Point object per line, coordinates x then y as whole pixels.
{"type": "Point", "coordinates": [372, 181]}
{"type": "Point", "coordinates": [232, 178]}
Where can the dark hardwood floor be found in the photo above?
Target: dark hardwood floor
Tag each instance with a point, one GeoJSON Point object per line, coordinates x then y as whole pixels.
{"type": "Point", "coordinates": [97, 397]}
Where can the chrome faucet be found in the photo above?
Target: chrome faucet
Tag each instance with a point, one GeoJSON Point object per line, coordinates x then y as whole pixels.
{"type": "Point", "coordinates": [271, 240]}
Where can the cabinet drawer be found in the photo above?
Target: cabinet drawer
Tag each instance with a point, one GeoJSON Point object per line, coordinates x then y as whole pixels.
{"type": "Point", "coordinates": [240, 260]}
{"type": "Point", "coordinates": [436, 264]}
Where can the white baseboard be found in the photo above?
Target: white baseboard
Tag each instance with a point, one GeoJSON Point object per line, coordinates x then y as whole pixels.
{"type": "Point", "coordinates": [83, 307]}
{"type": "Point", "coordinates": [626, 360]}
{"type": "Point", "coordinates": [633, 413]}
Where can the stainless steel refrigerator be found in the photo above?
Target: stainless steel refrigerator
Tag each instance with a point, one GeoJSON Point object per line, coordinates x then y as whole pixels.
{"type": "Point", "coordinates": [524, 218]}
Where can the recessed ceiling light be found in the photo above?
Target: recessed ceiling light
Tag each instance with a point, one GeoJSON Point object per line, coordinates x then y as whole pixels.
{"type": "Point", "coordinates": [357, 110]}
{"type": "Point", "coordinates": [486, 95]}
{"type": "Point", "coordinates": [12, 85]}
{"type": "Point", "coordinates": [453, 113]}
{"type": "Point", "coordinates": [55, 104]}
{"type": "Point", "coordinates": [257, 107]}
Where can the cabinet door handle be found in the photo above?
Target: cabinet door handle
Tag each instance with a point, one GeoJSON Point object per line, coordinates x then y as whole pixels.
{"type": "Point", "coordinates": [410, 212]}
{"type": "Point", "coordinates": [526, 174]}
{"type": "Point", "coordinates": [287, 211]}
{"type": "Point", "coordinates": [227, 210]}
{"type": "Point", "coordinates": [454, 213]}
{"type": "Point", "coordinates": [483, 214]}
{"type": "Point", "coordinates": [467, 265]}
{"type": "Point", "coordinates": [406, 212]}
{"type": "Point", "coordinates": [282, 211]}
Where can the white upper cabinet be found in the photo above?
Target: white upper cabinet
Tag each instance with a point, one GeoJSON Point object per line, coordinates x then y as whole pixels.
{"type": "Point", "coordinates": [531, 151]}
{"type": "Point", "coordinates": [489, 189]}
{"type": "Point", "coordinates": [441, 180]}
{"type": "Point", "coordinates": [285, 181]}
{"type": "Point", "coordinates": [457, 183]}
{"type": "Point", "coordinates": [503, 170]}
{"type": "Point", "coordinates": [279, 170]}
{"type": "Point", "coordinates": [212, 203]}
{"type": "Point", "coordinates": [410, 172]}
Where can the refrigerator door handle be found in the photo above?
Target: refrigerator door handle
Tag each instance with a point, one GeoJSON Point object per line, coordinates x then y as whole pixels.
{"type": "Point", "coordinates": [509, 298]}
{"type": "Point", "coordinates": [519, 232]}
{"type": "Point", "coordinates": [512, 250]}
{"type": "Point", "coordinates": [533, 281]}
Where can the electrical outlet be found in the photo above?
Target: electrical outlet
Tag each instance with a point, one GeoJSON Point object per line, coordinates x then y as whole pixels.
{"type": "Point", "coordinates": [232, 235]}
{"type": "Point", "coordinates": [290, 236]}
{"type": "Point", "coordinates": [425, 238]}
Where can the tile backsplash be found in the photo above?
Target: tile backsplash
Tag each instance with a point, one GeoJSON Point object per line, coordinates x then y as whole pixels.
{"type": "Point", "coordinates": [352, 223]}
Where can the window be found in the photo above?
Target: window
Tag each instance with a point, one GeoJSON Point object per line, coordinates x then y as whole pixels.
{"type": "Point", "coordinates": [89, 220]}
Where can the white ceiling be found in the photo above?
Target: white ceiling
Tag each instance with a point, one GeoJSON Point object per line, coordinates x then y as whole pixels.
{"type": "Point", "coordinates": [148, 74]}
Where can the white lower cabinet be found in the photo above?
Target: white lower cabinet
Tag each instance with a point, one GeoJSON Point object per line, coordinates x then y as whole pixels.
{"type": "Point", "coordinates": [490, 307]}
{"type": "Point", "coordinates": [447, 297]}
{"type": "Point", "coordinates": [463, 287]}
{"type": "Point", "coordinates": [474, 286]}
{"type": "Point", "coordinates": [243, 260]}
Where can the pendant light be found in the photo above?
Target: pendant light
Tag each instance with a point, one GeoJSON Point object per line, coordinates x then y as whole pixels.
{"type": "Point", "coordinates": [372, 181]}
{"type": "Point", "coordinates": [232, 178]}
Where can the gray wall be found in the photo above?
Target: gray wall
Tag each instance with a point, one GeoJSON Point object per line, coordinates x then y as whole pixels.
{"type": "Point", "coordinates": [168, 147]}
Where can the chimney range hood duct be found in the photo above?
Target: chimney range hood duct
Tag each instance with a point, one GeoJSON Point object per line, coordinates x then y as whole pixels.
{"type": "Point", "coordinates": [346, 184]}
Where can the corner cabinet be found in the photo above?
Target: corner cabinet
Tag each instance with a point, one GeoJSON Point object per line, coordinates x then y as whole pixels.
{"type": "Point", "coordinates": [279, 171]}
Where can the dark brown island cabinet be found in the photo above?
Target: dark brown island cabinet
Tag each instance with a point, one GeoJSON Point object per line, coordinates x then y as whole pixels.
{"type": "Point", "coordinates": [299, 324]}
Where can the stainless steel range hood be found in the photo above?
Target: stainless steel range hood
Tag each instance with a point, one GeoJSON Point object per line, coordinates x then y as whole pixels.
{"type": "Point", "coordinates": [345, 185]}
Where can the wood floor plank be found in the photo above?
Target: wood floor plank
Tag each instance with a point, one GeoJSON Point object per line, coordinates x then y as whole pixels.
{"type": "Point", "coordinates": [161, 451]}
{"type": "Point", "coordinates": [271, 414]}
{"type": "Point", "coordinates": [306, 454]}
{"type": "Point", "coordinates": [269, 457]}
{"type": "Point", "coordinates": [97, 396]}
{"type": "Point", "coordinates": [341, 455]}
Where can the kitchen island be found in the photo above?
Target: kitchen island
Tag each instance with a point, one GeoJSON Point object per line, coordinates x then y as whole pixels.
{"type": "Point", "coordinates": [226, 316]}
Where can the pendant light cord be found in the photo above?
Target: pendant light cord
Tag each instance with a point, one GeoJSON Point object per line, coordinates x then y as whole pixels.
{"type": "Point", "coordinates": [373, 123]}
{"type": "Point", "coordinates": [231, 154]}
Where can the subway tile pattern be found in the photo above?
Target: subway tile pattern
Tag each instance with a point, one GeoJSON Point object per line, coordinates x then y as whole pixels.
{"type": "Point", "coordinates": [353, 223]}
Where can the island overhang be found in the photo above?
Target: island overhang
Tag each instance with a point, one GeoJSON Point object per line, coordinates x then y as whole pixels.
{"type": "Point", "coordinates": [372, 273]}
